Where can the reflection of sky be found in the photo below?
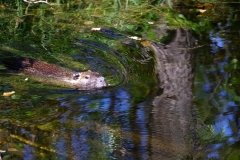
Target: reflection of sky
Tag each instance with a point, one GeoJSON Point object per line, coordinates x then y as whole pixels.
{"type": "Point", "coordinates": [224, 121]}
{"type": "Point", "coordinates": [207, 87]}
{"type": "Point", "coordinates": [214, 155]}
{"type": "Point", "coordinates": [223, 126]}
{"type": "Point", "coordinates": [142, 123]}
{"type": "Point", "coordinates": [122, 105]}
{"type": "Point", "coordinates": [28, 152]}
{"type": "Point", "coordinates": [60, 147]}
{"type": "Point", "coordinates": [217, 41]}
{"type": "Point", "coordinates": [79, 145]}
{"type": "Point", "coordinates": [105, 104]}
{"type": "Point", "coordinates": [223, 93]}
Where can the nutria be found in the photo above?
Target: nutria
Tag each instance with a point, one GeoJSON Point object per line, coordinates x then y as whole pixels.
{"type": "Point", "coordinates": [83, 80]}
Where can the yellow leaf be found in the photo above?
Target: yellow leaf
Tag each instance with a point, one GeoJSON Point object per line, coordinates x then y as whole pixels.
{"type": "Point", "coordinates": [146, 43]}
{"type": "Point", "coordinates": [89, 22]}
{"type": "Point", "coordinates": [12, 150]}
{"type": "Point", "coordinates": [2, 6]}
{"type": "Point", "coordinates": [97, 15]}
{"type": "Point", "coordinates": [6, 94]}
{"type": "Point", "coordinates": [95, 29]}
{"type": "Point", "coordinates": [202, 10]}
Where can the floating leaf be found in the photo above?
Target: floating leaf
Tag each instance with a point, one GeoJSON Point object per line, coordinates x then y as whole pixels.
{"type": "Point", "coordinates": [88, 22]}
{"type": "Point", "coordinates": [146, 43]}
{"type": "Point", "coordinates": [95, 29]}
{"type": "Point", "coordinates": [97, 15]}
{"type": "Point", "coordinates": [12, 150]}
{"type": "Point", "coordinates": [150, 22]}
{"type": "Point", "coordinates": [135, 37]}
{"type": "Point", "coordinates": [7, 94]}
{"type": "Point", "coordinates": [2, 6]}
{"type": "Point", "coordinates": [202, 10]}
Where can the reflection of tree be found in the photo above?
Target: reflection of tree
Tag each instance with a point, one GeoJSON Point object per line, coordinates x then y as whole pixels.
{"type": "Point", "coordinates": [171, 112]}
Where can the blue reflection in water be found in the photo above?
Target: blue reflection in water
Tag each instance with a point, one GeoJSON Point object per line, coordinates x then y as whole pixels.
{"type": "Point", "coordinates": [223, 93]}
{"type": "Point", "coordinates": [141, 121]}
{"type": "Point", "coordinates": [213, 155]}
{"type": "Point", "coordinates": [223, 126]}
{"type": "Point", "coordinates": [105, 104]}
{"type": "Point", "coordinates": [216, 79]}
{"type": "Point", "coordinates": [60, 147]}
{"type": "Point", "coordinates": [232, 104]}
{"type": "Point", "coordinates": [216, 39]}
{"type": "Point", "coordinates": [79, 145]}
{"type": "Point", "coordinates": [207, 87]}
{"type": "Point", "coordinates": [28, 152]}
{"type": "Point", "coordinates": [122, 105]}
{"type": "Point", "coordinates": [217, 146]}
{"type": "Point", "coordinates": [112, 107]}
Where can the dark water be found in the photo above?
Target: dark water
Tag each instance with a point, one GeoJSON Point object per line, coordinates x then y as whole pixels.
{"type": "Point", "coordinates": [216, 94]}
{"type": "Point", "coordinates": [183, 105]}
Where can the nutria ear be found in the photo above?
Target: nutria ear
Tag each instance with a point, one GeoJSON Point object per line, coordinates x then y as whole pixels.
{"type": "Point", "coordinates": [87, 77]}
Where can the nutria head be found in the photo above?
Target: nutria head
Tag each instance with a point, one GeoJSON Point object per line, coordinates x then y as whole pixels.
{"type": "Point", "coordinates": [89, 80]}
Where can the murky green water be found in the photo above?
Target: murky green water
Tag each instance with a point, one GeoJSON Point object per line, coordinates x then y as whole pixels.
{"type": "Point", "coordinates": [180, 102]}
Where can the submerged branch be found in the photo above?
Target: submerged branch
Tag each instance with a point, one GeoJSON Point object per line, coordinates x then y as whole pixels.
{"type": "Point", "coordinates": [33, 1]}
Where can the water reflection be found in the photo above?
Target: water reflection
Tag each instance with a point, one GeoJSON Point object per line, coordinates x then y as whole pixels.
{"type": "Point", "coordinates": [219, 105]}
{"type": "Point", "coordinates": [172, 119]}
{"type": "Point", "coordinates": [124, 136]}
{"type": "Point", "coordinates": [110, 123]}
{"type": "Point", "coordinates": [132, 119]}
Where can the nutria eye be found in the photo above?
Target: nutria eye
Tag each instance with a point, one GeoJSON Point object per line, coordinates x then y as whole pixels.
{"type": "Point", "coordinates": [86, 77]}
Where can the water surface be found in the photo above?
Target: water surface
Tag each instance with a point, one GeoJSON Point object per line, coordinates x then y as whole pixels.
{"type": "Point", "coordinates": [173, 101]}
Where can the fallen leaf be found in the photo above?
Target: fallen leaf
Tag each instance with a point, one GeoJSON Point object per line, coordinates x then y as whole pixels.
{"type": "Point", "coordinates": [89, 22]}
{"type": "Point", "coordinates": [19, 20]}
{"type": "Point", "coordinates": [95, 29]}
{"type": "Point", "coordinates": [146, 43]}
{"type": "Point", "coordinates": [2, 6]}
{"type": "Point", "coordinates": [209, 5]}
{"type": "Point", "coordinates": [12, 150]}
{"type": "Point", "coordinates": [202, 10]}
{"type": "Point", "coordinates": [200, 5]}
{"type": "Point", "coordinates": [7, 94]}
{"type": "Point", "coordinates": [97, 15]}
{"type": "Point", "coordinates": [135, 37]}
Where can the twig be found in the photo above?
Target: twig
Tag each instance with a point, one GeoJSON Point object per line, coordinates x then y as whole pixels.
{"type": "Point", "coordinates": [33, 1]}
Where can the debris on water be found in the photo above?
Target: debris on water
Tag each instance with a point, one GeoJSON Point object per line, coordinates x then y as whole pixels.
{"type": "Point", "coordinates": [7, 94]}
